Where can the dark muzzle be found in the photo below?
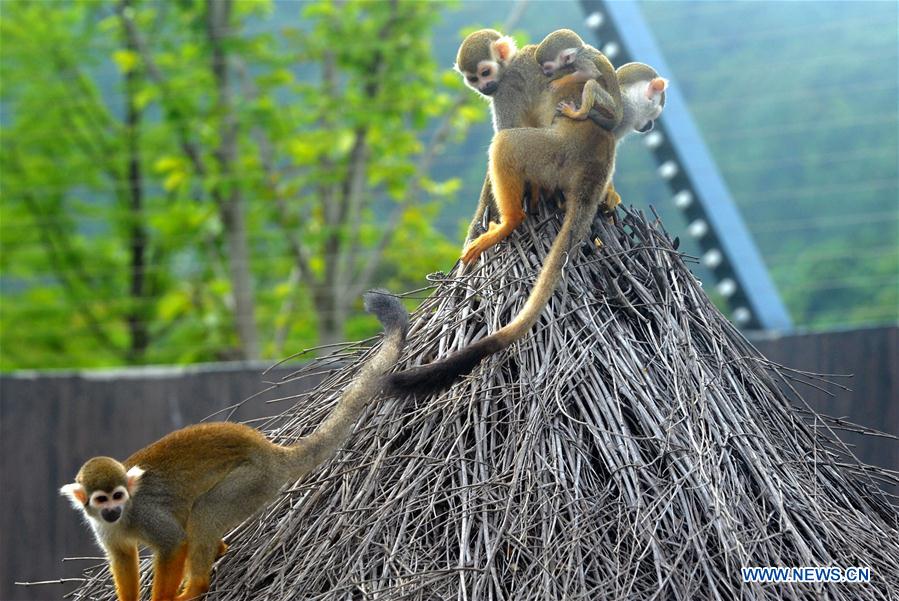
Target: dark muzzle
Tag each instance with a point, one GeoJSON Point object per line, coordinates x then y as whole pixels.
{"type": "Point", "coordinates": [489, 89]}
{"type": "Point", "coordinates": [111, 515]}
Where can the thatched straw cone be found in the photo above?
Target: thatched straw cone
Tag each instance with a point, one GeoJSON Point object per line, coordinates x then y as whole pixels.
{"type": "Point", "coordinates": [633, 446]}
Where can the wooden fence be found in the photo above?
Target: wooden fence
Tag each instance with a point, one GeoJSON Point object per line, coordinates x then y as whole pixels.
{"type": "Point", "coordinates": [50, 423]}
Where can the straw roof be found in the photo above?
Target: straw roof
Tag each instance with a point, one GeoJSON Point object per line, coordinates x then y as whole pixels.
{"type": "Point", "coordinates": [633, 446]}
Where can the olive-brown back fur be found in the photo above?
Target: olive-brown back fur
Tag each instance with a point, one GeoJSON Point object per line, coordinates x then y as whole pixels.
{"type": "Point", "coordinates": [523, 98]}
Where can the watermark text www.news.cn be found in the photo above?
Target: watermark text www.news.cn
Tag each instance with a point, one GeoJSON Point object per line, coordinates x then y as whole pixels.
{"type": "Point", "coordinates": [806, 574]}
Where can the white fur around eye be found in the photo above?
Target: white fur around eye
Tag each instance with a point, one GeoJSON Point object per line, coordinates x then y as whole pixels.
{"type": "Point", "coordinates": [98, 495]}
{"type": "Point", "coordinates": [485, 66]}
{"type": "Point", "coordinates": [102, 498]}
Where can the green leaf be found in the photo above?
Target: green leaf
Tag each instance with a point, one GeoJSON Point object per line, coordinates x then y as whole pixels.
{"type": "Point", "coordinates": [125, 60]}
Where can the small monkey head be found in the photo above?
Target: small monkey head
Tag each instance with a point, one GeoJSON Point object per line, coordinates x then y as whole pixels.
{"type": "Point", "coordinates": [483, 57]}
{"type": "Point", "coordinates": [103, 489]}
{"type": "Point", "coordinates": [643, 94]}
{"type": "Point", "coordinates": [558, 50]}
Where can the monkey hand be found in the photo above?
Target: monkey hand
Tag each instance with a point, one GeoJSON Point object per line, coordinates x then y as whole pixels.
{"type": "Point", "coordinates": [569, 110]}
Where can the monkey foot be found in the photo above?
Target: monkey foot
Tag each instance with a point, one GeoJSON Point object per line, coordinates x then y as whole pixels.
{"type": "Point", "coordinates": [193, 592]}
{"type": "Point", "coordinates": [474, 250]}
{"type": "Point", "coordinates": [223, 548]}
{"type": "Point", "coordinates": [613, 199]}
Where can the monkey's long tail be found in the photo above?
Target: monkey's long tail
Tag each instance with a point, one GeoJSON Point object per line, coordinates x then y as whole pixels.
{"type": "Point", "coordinates": [319, 446]}
{"type": "Point", "coordinates": [440, 375]}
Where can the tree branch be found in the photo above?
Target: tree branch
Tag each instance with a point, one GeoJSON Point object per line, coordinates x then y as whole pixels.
{"type": "Point", "coordinates": [61, 255]}
{"type": "Point", "coordinates": [137, 325]}
{"type": "Point", "coordinates": [190, 149]}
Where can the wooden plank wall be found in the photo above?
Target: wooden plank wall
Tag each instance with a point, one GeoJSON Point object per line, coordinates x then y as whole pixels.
{"type": "Point", "coordinates": [869, 363]}
{"type": "Point", "coordinates": [49, 423]}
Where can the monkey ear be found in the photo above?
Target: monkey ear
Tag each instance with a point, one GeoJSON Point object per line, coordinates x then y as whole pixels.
{"type": "Point", "coordinates": [134, 474]}
{"type": "Point", "coordinates": [567, 56]}
{"type": "Point", "coordinates": [75, 493]}
{"type": "Point", "coordinates": [504, 49]}
{"type": "Point", "coordinates": [657, 86]}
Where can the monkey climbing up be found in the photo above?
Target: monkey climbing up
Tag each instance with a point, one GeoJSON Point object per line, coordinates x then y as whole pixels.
{"type": "Point", "coordinates": [641, 103]}
{"type": "Point", "coordinates": [574, 156]}
{"type": "Point", "coordinates": [182, 493]}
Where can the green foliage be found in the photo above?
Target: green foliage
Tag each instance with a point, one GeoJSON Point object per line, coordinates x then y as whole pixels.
{"type": "Point", "coordinates": [334, 114]}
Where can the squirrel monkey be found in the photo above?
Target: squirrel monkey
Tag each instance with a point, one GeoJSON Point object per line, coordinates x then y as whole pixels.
{"type": "Point", "coordinates": [182, 493]}
{"type": "Point", "coordinates": [565, 50]}
{"type": "Point", "coordinates": [493, 66]}
{"type": "Point", "coordinates": [577, 158]}
{"type": "Point", "coordinates": [642, 100]}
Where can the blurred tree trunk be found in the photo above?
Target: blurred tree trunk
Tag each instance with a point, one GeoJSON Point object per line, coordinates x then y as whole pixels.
{"type": "Point", "coordinates": [227, 192]}
{"type": "Point", "coordinates": [136, 317]}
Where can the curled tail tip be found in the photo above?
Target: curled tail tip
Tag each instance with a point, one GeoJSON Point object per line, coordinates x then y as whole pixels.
{"type": "Point", "coordinates": [387, 308]}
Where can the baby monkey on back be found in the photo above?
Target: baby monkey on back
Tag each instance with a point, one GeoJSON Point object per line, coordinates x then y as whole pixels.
{"type": "Point", "coordinates": [564, 49]}
{"type": "Point", "coordinates": [642, 90]}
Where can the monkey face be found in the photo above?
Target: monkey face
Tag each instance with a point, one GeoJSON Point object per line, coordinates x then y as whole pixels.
{"type": "Point", "coordinates": [103, 489]}
{"type": "Point", "coordinates": [109, 505]}
{"type": "Point", "coordinates": [565, 58]}
{"type": "Point", "coordinates": [481, 60]}
{"type": "Point", "coordinates": [484, 80]}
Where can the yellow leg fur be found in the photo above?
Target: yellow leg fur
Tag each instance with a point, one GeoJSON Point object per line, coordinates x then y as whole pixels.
{"type": "Point", "coordinates": [495, 233]}
{"type": "Point", "coordinates": [125, 572]}
{"type": "Point", "coordinates": [168, 574]}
